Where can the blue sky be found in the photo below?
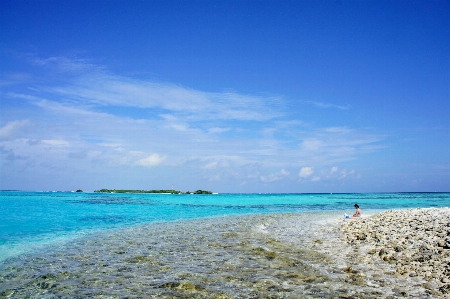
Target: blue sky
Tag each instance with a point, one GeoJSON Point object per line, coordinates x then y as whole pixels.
{"type": "Point", "coordinates": [228, 96]}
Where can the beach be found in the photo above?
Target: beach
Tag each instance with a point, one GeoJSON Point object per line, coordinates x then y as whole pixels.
{"type": "Point", "coordinates": [415, 242]}
{"type": "Point", "coordinates": [289, 255]}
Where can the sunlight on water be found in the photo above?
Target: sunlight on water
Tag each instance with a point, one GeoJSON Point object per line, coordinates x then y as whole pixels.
{"type": "Point", "coordinates": [31, 220]}
{"type": "Point", "coordinates": [269, 256]}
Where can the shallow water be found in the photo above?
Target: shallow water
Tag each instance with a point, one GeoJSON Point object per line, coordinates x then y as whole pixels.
{"type": "Point", "coordinates": [68, 245]}
{"type": "Point", "coordinates": [265, 256]}
{"type": "Point", "coordinates": [33, 220]}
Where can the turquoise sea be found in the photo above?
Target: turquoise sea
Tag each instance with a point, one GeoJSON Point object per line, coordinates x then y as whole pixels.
{"type": "Point", "coordinates": [31, 220]}
{"type": "Point", "coordinates": [103, 245]}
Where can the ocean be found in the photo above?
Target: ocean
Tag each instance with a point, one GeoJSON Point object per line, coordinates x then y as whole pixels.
{"type": "Point", "coordinates": [46, 236]}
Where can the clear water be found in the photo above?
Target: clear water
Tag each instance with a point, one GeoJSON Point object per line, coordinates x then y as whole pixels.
{"type": "Point", "coordinates": [91, 245]}
{"type": "Point", "coordinates": [32, 220]}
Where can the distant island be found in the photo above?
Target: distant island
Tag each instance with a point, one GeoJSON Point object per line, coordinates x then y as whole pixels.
{"type": "Point", "coordinates": [152, 191]}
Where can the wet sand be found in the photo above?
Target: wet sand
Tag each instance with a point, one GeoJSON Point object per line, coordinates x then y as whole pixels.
{"type": "Point", "coordinates": [259, 256]}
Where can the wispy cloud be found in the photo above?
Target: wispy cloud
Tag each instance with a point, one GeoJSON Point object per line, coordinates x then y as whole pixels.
{"type": "Point", "coordinates": [217, 130]}
{"type": "Point", "coordinates": [88, 84]}
{"type": "Point", "coordinates": [275, 176]}
{"type": "Point", "coordinates": [55, 143]}
{"type": "Point", "coordinates": [65, 64]}
{"type": "Point", "coordinates": [15, 78]}
{"type": "Point", "coordinates": [11, 128]}
{"type": "Point", "coordinates": [328, 105]}
{"type": "Point", "coordinates": [151, 161]}
{"type": "Point", "coordinates": [101, 89]}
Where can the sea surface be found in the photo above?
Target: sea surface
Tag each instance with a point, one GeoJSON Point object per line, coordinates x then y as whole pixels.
{"type": "Point", "coordinates": [79, 245]}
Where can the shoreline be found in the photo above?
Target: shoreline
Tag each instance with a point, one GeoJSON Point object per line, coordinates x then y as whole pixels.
{"type": "Point", "coordinates": [37, 243]}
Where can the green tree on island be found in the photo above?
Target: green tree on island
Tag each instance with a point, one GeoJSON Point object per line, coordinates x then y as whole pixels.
{"type": "Point", "coordinates": [162, 191]}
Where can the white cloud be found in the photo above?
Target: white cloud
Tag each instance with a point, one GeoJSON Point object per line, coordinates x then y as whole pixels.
{"type": "Point", "coordinates": [112, 145]}
{"type": "Point", "coordinates": [306, 172]}
{"type": "Point", "coordinates": [312, 144]}
{"type": "Point", "coordinates": [326, 175]}
{"type": "Point", "coordinates": [88, 84]}
{"type": "Point", "coordinates": [107, 90]}
{"type": "Point", "coordinates": [66, 64]}
{"type": "Point", "coordinates": [151, 161]}
{"type": "Point", "coordinates": [337, 130]}
{"type": "Point", "coordinates": [328, 105]}
{"type": "Point", "coordinates": [15, 78]}
{"type": "Point", "coordinates": [217, 130]}
{"type": "Point", "coordinates": [212, 165]}
{"type": "Point", "coordinates": [11, 128]}
{"type": "Point", "coordinates": [55, 142]}
{"type": "Point", "coordinates": [275, 176]}
{"type": "Point", "coordinates": [315, 179]}
{"type": "Point", "coordinates": [179, 127]}
{"type": "Point", "coordinates": [345, 173]}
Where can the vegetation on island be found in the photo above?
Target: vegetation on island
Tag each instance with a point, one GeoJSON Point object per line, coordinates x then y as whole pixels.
{"type": "Point", "coordinates": [152, 191]}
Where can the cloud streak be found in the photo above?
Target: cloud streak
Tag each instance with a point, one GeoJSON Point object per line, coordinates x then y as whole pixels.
{"type": "Point", "coordinates": [328, 105]}
{"type": "Point", "coordinates": [107, 90]}
{"type": "Point", "coordinates": [11, 128]}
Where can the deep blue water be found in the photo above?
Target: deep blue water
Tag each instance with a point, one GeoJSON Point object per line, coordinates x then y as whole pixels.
{"type": "Point", "coordinates": [32, 219]}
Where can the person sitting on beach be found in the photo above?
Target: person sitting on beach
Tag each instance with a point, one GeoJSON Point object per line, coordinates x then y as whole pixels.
{"type": "Point", "coordinates": [357, 213]}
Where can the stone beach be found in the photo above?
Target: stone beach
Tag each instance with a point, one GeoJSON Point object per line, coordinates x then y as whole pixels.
{"type": "Point", "coordinates": [415, 241]}
{"type": "Point", "coordinates": [390, 254]}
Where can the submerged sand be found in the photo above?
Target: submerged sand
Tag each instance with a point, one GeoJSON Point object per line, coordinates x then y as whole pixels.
{"type": "Point", "coordinates": [308, 255]}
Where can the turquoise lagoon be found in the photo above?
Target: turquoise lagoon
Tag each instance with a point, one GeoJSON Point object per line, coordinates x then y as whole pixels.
{"type": "Point", "coordinates": [31, 221]}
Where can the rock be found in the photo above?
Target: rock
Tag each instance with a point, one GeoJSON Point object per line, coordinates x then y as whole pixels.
{"type": "Point", "coordinates": [417, 241]}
